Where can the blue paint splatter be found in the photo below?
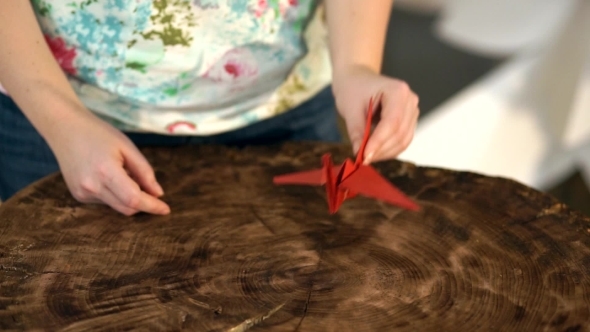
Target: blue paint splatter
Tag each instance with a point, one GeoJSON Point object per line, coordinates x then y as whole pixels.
{"type": "Point", "coordinates": [238, 5]}
{"type": "Point", "coordinates": [144, 10]}
{"type": "Point", "coordinates": [112, 37]}
{"type": "Point", "coordinates": [118, 4]}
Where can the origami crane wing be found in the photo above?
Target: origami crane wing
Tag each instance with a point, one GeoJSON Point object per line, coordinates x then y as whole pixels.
{"type": "Point", "coordinates": [368, 182]}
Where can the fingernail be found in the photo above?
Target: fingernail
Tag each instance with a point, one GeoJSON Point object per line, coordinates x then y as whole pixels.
{"type": "Point", "coordinates": [368, 158]}
{"type": "Point", "coordinates": [159, 189]}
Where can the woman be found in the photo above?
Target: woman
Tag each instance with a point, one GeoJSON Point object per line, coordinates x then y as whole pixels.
{"type": "Point", "coordinates": [87, 81]}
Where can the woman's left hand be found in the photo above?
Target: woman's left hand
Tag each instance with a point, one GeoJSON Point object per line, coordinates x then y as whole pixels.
{"type": "Point", "coordinates": [353, 88]}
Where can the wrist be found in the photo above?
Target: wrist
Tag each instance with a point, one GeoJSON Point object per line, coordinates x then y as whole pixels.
{"type": "Point", "coordinates": [342, 73]}
{"type": "Point", "coordinates": [344, 67]}
{"type": "Point", "coordinates": [52, 113]}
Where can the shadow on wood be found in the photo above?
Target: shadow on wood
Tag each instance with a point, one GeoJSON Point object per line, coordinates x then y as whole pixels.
{"type": "Point", "coordinates": [574, 193]}
{"type": "Point", "coordinates": [238, 253]}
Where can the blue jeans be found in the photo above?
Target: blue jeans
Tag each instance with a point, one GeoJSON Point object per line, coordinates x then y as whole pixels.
{"type": "Point", "coordinates": [25, 156]}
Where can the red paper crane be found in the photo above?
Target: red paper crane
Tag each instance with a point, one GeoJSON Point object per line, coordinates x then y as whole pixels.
{"type": "Point", "coordinates": [350, 179]}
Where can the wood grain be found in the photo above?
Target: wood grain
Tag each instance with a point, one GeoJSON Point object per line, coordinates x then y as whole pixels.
{"type": "Point", "coordinates": [238, 253]}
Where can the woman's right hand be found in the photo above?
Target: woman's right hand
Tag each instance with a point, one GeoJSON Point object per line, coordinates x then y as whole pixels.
{"type": "Point", "coordinates": [101, 165]}
{"type": "Point", "coordinates": [98, 162]}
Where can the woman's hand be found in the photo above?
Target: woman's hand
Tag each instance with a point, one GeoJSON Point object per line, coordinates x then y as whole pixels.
{"type": "Point", "coordinates": [356, 37]}
{"type": "Point", "coordinates": [98, 162]}
{"type": "Point", "coordinates": [101, 165]}
{"type": "Point", "coordinates": [353, 88]}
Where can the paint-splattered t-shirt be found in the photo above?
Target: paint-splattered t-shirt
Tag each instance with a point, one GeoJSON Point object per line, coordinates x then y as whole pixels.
{"type": "Point", "coordinates": [197, 67]}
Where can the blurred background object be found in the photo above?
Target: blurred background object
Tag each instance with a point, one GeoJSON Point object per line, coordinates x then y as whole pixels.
{"type": "Point", "coordinates": [420, 6]}
{"type": "Point", "coordinates": [502, 27]}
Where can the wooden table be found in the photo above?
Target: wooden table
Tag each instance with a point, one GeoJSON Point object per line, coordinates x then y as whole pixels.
{"type": "Point", "coordinates": [238, 253]}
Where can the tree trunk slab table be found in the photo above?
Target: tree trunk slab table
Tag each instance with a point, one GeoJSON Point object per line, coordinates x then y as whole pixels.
{"type": "Point", "coordinates": [239, 253]}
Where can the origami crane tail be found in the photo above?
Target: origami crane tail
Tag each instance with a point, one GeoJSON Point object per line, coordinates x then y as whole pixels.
{"type": "Point", "coordinates": [327, 176]}
{"type": "Point", "coordinates": [316, 177]}
{"type": "Point", "coordinates": [368, 182]}
{"type": "Point", "coordinates": [311, 178]}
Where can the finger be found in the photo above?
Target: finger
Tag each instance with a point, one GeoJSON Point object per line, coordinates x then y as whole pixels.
{"type": "Point", "coordinates": [399, 133]}
{"type": "Point", "coordinates": [140, 170]}
{"type": "Point", "coordinates": [391, 149]}
{"type": "Point", "coordinates": [108, 197]}
{"type": "Point", "coordinates": [399, 142]}
{"type": "Point", "coordinates": [131, 196]}
{"type": "Point", "coordinates": [391, 118]}
{"type": "Point", "coordinates": [105, 197]}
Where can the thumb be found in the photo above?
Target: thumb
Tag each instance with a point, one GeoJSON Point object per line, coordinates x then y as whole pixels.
{"type": "Point", "coordinates": [142, 171]}
{"type": "Point", "coordinates": [387, 127]}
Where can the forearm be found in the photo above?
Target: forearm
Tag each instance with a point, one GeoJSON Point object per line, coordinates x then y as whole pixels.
{"type": "Point", "coordinates": [30, 73]}
{"type": "Point", "coordinates": [357, 31]}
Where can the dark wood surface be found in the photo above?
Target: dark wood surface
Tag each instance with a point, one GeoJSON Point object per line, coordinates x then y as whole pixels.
{"type": "Point", "coordinates": [238, 253]}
